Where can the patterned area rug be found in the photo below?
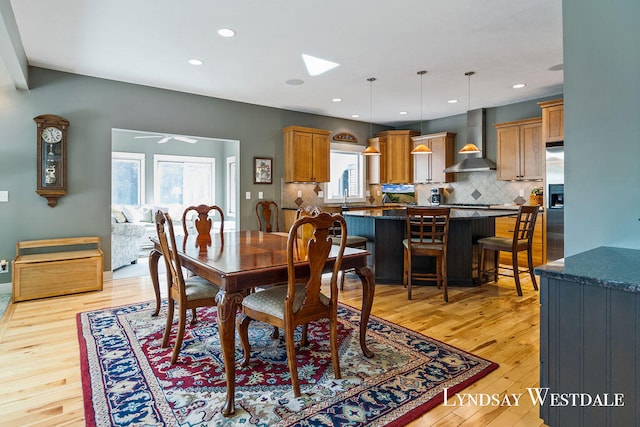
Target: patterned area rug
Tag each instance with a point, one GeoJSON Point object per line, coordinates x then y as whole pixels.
{"type": "Point", "coordinates": [128, 378]}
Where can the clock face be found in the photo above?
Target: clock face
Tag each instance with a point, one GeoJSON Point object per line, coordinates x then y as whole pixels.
{"type": "Point", "coordinates": [51, 135]}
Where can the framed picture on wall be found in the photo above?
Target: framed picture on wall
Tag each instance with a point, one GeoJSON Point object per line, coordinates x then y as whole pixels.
{"type": "Point", "coordinates": [263, 167]}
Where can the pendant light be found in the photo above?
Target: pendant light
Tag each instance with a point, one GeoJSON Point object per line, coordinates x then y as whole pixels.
{"type": "Point", "coordinates": [371, 150]}
{"type": "Point", "coordinates": [421, 148]}
{"type": "Point", "coordinates": [469, 148]}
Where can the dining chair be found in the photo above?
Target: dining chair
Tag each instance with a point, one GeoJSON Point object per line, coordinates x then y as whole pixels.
{"type": "Point", "coordinates": [267, 215]}
{"type": "Point", "coordinates": [202, 220]}
{"type": "Point", "coordinates": [187, 293]}
{"type": "Point", "coordinates": [521, 240]}
{"type": "Point", "coordinates": [300, 301]}
{"type": "Point", "coordinates": [353, 241]}
{"type": "Point", "coordinates": [427, 233]}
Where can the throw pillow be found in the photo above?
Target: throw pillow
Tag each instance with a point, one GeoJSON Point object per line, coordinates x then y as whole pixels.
{"type": "Point", "coordinates": [132, 213]}
{"type": "Point", "coordinates": [118, 215]}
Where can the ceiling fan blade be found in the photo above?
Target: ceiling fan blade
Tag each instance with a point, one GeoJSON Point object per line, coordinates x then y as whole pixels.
{"type": "Point", "coordinates": [185, 139]}
{"type": "Point", "coordinates": [163, 140]}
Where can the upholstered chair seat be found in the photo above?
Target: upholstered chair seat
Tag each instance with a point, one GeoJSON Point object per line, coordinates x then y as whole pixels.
{"type": "Point", "coordinates": [271, 300]}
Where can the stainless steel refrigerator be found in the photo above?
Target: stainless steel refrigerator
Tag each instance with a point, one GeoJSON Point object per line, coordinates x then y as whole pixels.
{"type": "Point", "coordinates": [555, 201]}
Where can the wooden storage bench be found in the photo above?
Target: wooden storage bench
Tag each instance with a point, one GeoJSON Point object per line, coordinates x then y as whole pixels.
{"type": "Point", "coordinates": [53, 267]}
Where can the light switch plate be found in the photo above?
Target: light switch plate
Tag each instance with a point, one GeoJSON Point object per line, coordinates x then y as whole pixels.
{"type": "Point", "coordinates": [247, 195]}
{"type": "Point", "coordinates": [4, 196]}
{"type": "Point", "coordinates": [260, 195]}
{"type": "Point", "coordinates": [299, 193]}
{"type": "Point", "coordinates": [321, 194]}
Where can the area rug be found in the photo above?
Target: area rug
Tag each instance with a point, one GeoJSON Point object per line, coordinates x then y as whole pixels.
{"type": "Point", "coordinates": [128, 378]}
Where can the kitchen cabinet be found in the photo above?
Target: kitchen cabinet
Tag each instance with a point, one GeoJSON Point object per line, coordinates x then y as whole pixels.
{"type": "Point", "coordinates": [505, 227]}
{"type": "Point", "coordinates": [429, 168]}
{"type": "Point", "coordinates": [306, 154]}
{"type": "Point", "coordinates": [520, 149]}
{"type": "Point", "coordinates": [396, 164]}
{"type": "Point", "coordinates": [552, 120]}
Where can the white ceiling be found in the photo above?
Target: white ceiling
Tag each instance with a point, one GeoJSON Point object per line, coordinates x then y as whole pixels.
{"type": "Point", "coordinates": [149, 42]}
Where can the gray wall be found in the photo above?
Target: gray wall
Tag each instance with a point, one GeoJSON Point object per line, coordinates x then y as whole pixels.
{"type": "Point", "coordinates": [602, 124]}
{"type": "Point", "coordinates": [94, 107]}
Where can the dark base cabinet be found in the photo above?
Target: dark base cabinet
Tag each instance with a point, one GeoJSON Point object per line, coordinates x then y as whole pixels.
{"type": "Point", "coordinates": [589, 348]}
{"type": "Point", "coordinates": [385, 236]}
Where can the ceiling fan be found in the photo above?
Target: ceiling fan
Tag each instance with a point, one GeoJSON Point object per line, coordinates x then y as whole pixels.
{"type": "Point", "coordinates": [165, 138]}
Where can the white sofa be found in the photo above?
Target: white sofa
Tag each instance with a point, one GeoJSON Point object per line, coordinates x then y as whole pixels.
{"type": "Point", "coordinates": [144, 215]}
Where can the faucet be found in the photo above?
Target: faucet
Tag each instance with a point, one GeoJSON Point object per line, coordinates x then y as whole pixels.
{"type": "Point", "coordinates": [345, 193]}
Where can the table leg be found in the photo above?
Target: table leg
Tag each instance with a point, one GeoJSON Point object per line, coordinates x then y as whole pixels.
{"type": "Point", "coordinates": [368, 289]}
{"type": "Point", "coordinates": [228, 304]}
{"type": "Point", "coordinates": [154, 256]}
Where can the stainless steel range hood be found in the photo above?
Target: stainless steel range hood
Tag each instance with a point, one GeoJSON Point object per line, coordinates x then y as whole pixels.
{"type": "Point", "coordinates": [476, 134]}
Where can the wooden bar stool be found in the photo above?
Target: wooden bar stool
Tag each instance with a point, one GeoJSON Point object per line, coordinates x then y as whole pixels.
{"type": "Point", "coordinates": [520, 241]}
{"type": "Point", "coordinates": [427, 232]}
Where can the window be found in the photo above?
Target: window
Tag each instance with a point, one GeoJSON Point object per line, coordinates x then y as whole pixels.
{"type": "Point", "coordinates": [232, 187]}
{"type": "Point", "coordinates": [127, 178]}
{"type": "Point", "coordinates": [347, 174]}
{"type": "Point", "coordinates": [183, 180]}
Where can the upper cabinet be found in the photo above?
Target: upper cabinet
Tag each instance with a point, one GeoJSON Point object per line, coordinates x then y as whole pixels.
{"type": "Point", "coordinates": [429, 168]}
{"type": "Point", "coordinates": [552, 120]}
{"type": "Point", "coordinates": [520, 150]}
{"type": "Point", "coordinates": [396, 165]}
{"type": "Point", "coordinates": [306, 154]}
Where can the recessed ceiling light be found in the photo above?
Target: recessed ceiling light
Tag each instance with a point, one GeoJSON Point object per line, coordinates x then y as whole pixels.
{"type": "Point", "coordinates": [196, 62]}
{"type": "Point", "coordinates": [294, 82]}
{"type": "Point", "coordinates": [337, 99]}
{"type": "Point", "coordinates": [452, 101]}
{"type": "Point", "coordinates": [226, 32]}
{"type": "Point", "coordinates": [519, 85]}
{"type": "Point", "coordinates": [316, 66]}
{"type": "Point", "coordinates": [402, 113]}
{"type": "Point", "coordinates": [355, 116]}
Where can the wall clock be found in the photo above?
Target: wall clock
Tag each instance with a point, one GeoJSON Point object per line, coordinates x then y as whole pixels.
{"type": "Point", "coordinates": [51, 139]}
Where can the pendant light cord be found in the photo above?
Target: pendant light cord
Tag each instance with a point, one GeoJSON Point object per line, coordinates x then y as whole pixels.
{"type": "Point", "coordinates": [371, 80]}
{"type": "Point", "coordinates": [469, 74]}
{"type": "Point", "coordinates": [421, 73]}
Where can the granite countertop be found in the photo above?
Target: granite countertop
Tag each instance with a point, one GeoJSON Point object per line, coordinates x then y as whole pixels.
{"type": "Point", "coordinates": [608, 267]}
{"type": "Point", "coordinates": [400, 213]}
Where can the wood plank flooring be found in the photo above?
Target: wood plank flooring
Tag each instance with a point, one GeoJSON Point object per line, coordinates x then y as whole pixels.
{"type": "Point", "coordinates": [40, 381]}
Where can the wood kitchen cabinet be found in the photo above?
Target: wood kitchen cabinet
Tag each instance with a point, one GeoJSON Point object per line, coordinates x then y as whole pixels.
{"type": "Point", "coordinates": [429, 168]}
{"type": "Point", "coordinates": [521, 150]}
{"type": "Point", "coordinates": [306, 154]}
{"type": "Point", "coordinates": [552, 120]}
{"type": "Point", "coordinates": [396, 164]}
{"type": "Point", "coordinates": [504, 228]}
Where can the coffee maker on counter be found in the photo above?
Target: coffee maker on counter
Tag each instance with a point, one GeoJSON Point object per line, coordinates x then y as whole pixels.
{"type": "Point", "coordinates": [437, 196]}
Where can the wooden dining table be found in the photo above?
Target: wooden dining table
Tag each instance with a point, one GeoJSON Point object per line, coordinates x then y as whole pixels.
{"type": "Point", "coordinates": [238, 261]}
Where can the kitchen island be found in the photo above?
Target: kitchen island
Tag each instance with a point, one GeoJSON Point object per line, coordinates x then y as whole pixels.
{"type": "Point", "coordinates": [385, 229]}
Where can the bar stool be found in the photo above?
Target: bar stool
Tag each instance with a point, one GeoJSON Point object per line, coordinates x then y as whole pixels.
{"type": "Point", "coordinates": [427, 233]}
{"type": "Point", "coordinates": [520, 241]}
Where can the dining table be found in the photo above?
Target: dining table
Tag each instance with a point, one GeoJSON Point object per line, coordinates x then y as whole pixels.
{"type": "Point", "coordinates": [239, 261]}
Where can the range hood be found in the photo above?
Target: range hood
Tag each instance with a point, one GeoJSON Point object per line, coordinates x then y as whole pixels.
{"type": "Point", "coordinates": [476, 134]}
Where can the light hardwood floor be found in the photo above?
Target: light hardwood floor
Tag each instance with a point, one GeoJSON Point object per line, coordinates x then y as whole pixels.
{"type": "Point", "coordinates": [40, 381]}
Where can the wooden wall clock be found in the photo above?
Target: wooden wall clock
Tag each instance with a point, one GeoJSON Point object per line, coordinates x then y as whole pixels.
{"type": "Point", "coordinates": [51, 141]}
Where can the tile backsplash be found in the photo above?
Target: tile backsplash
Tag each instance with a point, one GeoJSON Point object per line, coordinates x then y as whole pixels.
{"type": "Point", "coordinates": [479, 187]}
{"type": "Point", "coordinates": [472, 187]}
